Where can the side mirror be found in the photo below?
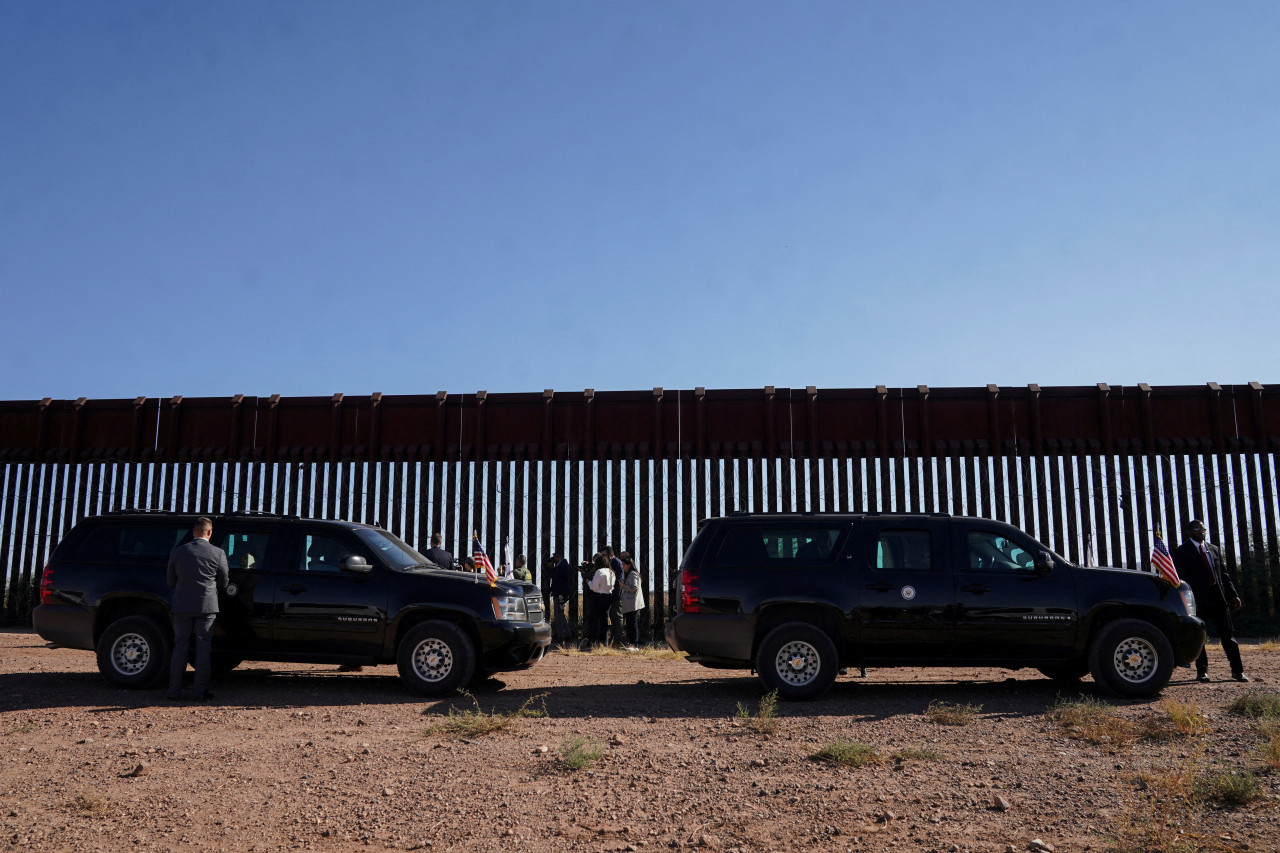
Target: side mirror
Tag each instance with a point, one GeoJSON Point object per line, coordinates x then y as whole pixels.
{"type": "Point", "coordinates": [1044, 564]}
{"type": "Point", "coordinates": [357, 564]}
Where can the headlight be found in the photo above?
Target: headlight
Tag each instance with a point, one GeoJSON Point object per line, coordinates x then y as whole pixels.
{"type": "Point", "coordinates": [1188, 599]}
{"type": "Point", "coordinates": [509, 607]}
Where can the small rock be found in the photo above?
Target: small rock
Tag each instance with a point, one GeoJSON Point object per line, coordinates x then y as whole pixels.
{"type": "Point", "coordinates": [1000, 804]}
{"type": "Point", "coordinates": [711, 842]}
{"type": "Point", "coordinates": [386, 792]}
{"type": "Point", "coordinates": [617, 740]}
{"type": "Point", "coordinates": [759, 762]}
{"type": "Point", "coordinates": [1043, 846]}
{"type": "Point", "coordinates": [142, 769]}
{"type": "Point", "coordinates": [541, 750]}
{"type": "Point", "coordinates": [86, 740]}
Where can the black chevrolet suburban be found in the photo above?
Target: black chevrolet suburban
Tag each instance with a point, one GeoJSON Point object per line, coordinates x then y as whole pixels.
{"type": "Point", "coordinates": [798, 598]}
{"type": "Point", "coordinates": [301, 590]}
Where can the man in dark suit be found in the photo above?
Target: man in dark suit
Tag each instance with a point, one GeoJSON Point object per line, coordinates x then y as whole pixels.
{"type": "Point", "coordinates": [197, 572]}
{"type": "Point", "coordinates": [562, 588]}
{"type": "Point", "coordinates": [1200, 564]}
{"type": "Point", "coordinates": [438, 555]}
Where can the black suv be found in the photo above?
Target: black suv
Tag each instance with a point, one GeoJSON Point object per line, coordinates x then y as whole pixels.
{"type": "Point", "coordinates": [301, 590]}
{"type": "Point", "coordinates": [800, 597]}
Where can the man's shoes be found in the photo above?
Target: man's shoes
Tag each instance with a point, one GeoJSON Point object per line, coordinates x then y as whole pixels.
{"type": "Point", "coordinates": [204, 696]}
{"type": "Point", "coordinates": [1202, 676]}
{"type": "Point", "coordinates": [351, 667]}
{"type": "Point", "coordinates": [1240, 676]}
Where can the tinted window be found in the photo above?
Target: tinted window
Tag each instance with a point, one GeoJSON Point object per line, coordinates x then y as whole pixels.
{"type": "Point", "coordinates": [116, 543]}
{"type": "Point", "coordinates": [993, 551]}
{"type": "Point", "coordinates": [246, 550]}
{"type": "Point", "coordinates": [904, 550]}
{"type": "Point", "coordinates": [323, 554]}
{"type": "Point", "coordinates": [761, 546]}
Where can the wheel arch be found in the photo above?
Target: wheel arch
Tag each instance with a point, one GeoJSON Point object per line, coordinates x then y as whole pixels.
{"type": "Point", "coordinates": [122, 607]}
{"type": "Point", "coordinates": [410, 619]}
{"type": "Point", "coordinates": [822, 617]}
{"type": "Point", "coordinates": [1104, 615]}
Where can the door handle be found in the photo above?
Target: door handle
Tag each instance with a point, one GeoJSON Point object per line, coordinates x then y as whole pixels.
{"type": "Point", "coordinates": [976, 588]}
{"type": "Point", "coordinates": [882, 586]}
{"type": "Point", "coordinates": [294, 588]}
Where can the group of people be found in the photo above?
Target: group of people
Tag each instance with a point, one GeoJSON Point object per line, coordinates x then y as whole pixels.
{"type": "Point", "coordinates": [438, 555]}
{"type": "Point", "coordinates": [613, 599]}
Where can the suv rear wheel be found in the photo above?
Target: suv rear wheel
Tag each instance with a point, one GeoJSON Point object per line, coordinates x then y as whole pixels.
{"type": "Point", "coordinates": [1132, 658]}
{"type": "Point", "coordinates": [435, 658]}
{"type": "Point", "coordinates": [797, 660]}
{"type": "Point", "coordinates": [133, 652]}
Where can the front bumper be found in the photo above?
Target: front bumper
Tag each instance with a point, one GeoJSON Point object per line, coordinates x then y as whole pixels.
{"type": "Point", "coordinates": [507, 646]}
{"type": "Point", "coordinates": [1188, 640]}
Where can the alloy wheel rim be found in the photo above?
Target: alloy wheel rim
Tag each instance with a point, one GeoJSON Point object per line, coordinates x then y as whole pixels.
{"type": "Point", "coordinates": [797, 663]}
{"type": "Point", "coordinates": [432, 659]}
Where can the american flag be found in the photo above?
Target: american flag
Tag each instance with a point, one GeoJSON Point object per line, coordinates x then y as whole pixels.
{"type": "Point", "coordinates": [1163, 562]}
{"type": "Point", "coordinates": [482, 560]}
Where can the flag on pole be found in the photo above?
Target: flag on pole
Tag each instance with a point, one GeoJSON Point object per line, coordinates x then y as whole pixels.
{"type": "Point", "coordinates": [1163, 562]}
{"type": "Point", "coordinates": [508, 565]}
{"type": "Point", "coordinates": [482, 560]}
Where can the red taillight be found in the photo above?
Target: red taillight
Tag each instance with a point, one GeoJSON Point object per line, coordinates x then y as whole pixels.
{"type": "Point", "coordinates": [689, 602]}
{"type": "Point", "coordinates": [46, 586]}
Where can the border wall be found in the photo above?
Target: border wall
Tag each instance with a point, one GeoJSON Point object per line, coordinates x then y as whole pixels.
{"type": "Point", "coordinates": [1092, 471]}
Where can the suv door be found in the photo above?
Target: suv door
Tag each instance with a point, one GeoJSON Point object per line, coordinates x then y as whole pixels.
{"type": "Point", "coordinates": [255, 552]}
{"type": "Point", "coordinates": [906, 596]}
{"type": "Point", "coordinates": [1006, 610]}
{"type": "Point", "coordinates": [322, 609]}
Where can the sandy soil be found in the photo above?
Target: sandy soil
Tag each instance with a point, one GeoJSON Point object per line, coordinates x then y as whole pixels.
{"type": "Point", "coordinates": [296, 757]}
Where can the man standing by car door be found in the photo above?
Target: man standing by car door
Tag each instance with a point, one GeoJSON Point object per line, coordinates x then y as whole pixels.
{"type": "Point", "coordinates": [1200, 564]}
{"type": "Point", "coordinates": [197, 572]}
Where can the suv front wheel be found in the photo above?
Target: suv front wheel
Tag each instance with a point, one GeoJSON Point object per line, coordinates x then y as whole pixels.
{"type": "Point", "coordinates": [797, 660]}
{"type": "Point", "coordinates": [1132, 658]}
{"type": "Point", "coordinates": [436, 658]}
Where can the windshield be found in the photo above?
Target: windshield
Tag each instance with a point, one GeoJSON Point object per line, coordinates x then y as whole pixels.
{"type": "Point", "coordinates": [393, 552]}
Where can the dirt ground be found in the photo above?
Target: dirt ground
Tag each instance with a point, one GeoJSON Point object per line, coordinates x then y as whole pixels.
{"type": "Point", "coordinates": [295, 757]}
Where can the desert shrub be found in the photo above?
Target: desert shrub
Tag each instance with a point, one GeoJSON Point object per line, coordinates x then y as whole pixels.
{"type": "Point", "coordinates": [846, 753]}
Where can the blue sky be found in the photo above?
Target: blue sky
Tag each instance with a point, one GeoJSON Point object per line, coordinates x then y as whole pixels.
{"type": "Point", "coordinates": [314, 197]}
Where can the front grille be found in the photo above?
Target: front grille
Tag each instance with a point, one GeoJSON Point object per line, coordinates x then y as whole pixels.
{"type": "Point", "coordinates": [533, 605]}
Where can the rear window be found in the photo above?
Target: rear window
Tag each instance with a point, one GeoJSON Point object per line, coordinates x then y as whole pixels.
{"type": "Point", "coordinates": [778, 546]}
{"type": "Point", "coordinates": [115, 543]}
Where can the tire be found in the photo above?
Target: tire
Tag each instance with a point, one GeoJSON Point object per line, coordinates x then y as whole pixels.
{"type": "Point", "coordinates": [133, 653]}
{"type": "Point", "coordinates": [797, 660]}
{"type": "Point", "coordinates": [1065, 673]}
{"type": "Point", "coordinates": [436, 658]}
{"type": "Point", "coordinates": [1131, 658]}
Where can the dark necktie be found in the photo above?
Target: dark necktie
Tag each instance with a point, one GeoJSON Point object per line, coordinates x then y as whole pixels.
{"type": "Point", "coordinates": [1213, 575]}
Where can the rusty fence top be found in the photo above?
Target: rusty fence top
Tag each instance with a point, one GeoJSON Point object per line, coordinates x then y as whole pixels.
{"type": "Point", "coordinates": [699, 423]}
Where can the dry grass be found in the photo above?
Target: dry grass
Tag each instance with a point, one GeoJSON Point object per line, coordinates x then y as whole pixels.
{"type": "Point", "coordinates": [766, 720]}
{"type": "Point", "coordinates": [645, 652]}
{"type": "Point", "coordinates": [1271, 749]}
{"type": "Point", "coordinates": [577, 753]}
{"type": "Point", "coordinates": [951, 714]}
{"type": "Point", "coordinates": [1257, 705]}
{"type": "Point", "coordinates": [473, 723]}
{"type": "Point", "coordinates": [846, 753]}
{"type": "Point", "coordinates": [92, 805]}
{"type": "Point", "coordinates": [1186, 717]}
{"type": "Point", "coordinates": [1095, 721]}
